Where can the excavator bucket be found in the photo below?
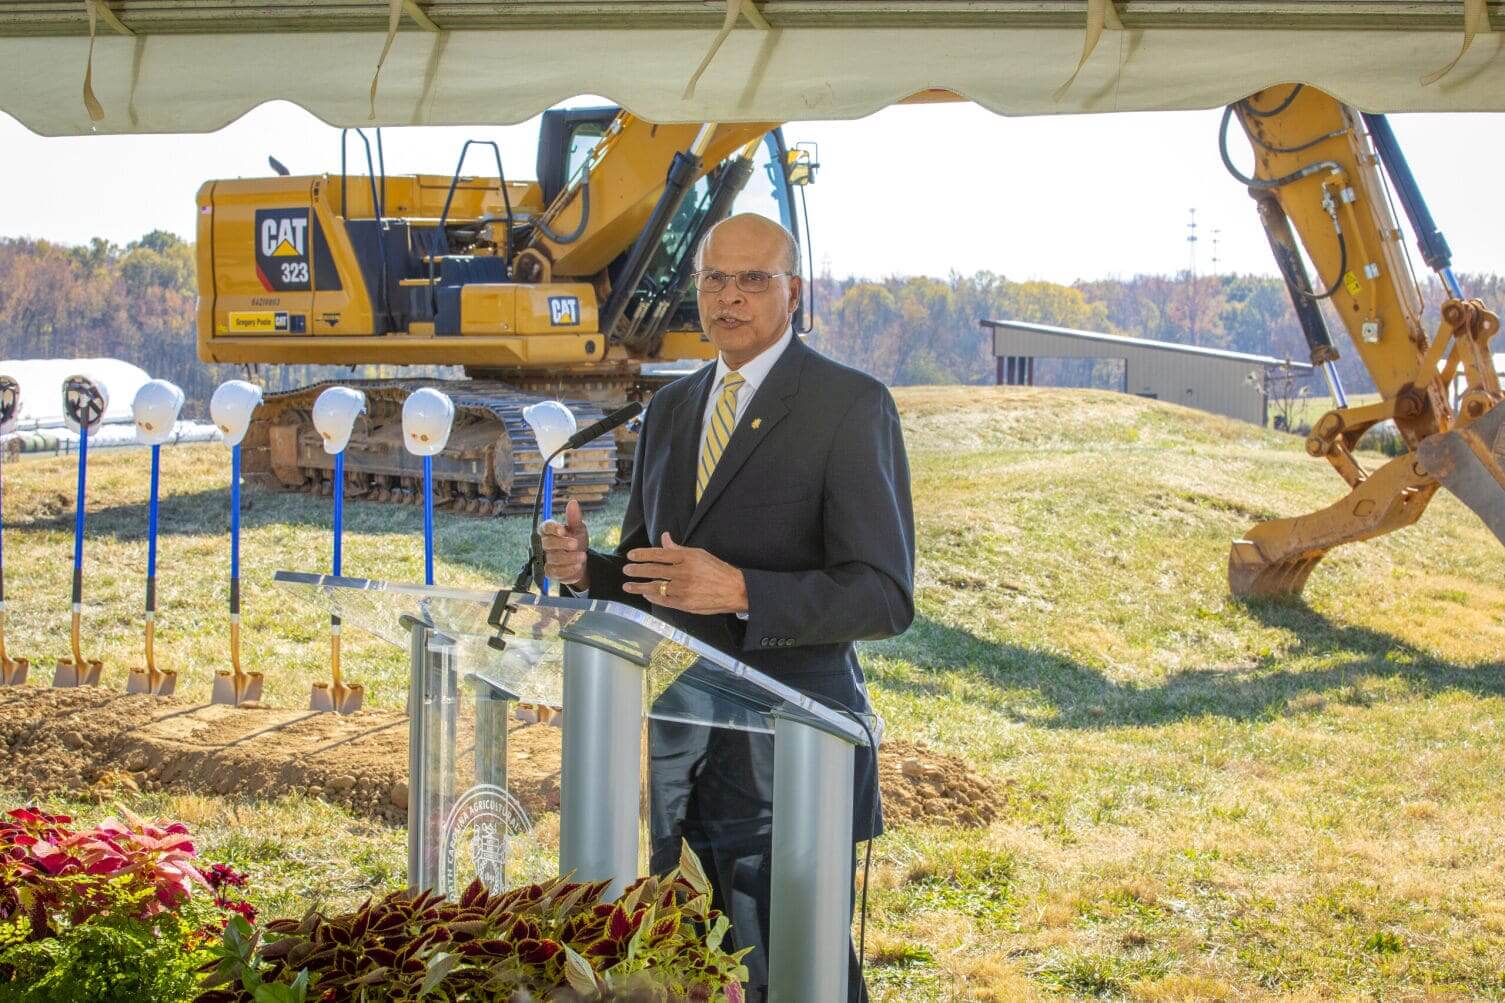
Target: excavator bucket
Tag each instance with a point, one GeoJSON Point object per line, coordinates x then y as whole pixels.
{"type": "Point", "coordinates": [1470, 462]}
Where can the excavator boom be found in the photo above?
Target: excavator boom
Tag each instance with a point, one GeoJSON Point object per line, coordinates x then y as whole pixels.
{"type": "Point", "coordinates": [1320, 174]}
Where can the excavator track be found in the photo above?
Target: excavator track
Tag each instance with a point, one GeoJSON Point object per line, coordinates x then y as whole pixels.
{"type": "Point", "coordinates": [490, 467]}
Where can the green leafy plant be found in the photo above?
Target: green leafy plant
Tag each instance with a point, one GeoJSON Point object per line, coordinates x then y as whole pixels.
{"type": "Point", "coordinates": [110, 959]}
{"type": "Point", "coordinates": [554, 941]}
{"type": "Point", "coordinates": [118, 913]}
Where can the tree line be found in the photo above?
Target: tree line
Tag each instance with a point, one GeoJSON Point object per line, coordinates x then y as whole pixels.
{"type": "Point", "coordinates": [917, 329]}
{"type": "Point", "coordinates": [137, 302]}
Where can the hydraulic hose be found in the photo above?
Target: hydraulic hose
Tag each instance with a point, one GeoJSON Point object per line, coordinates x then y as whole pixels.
{"type": "Point", "coordinates": [585, 215]}
{"type": "Point", "coordinates": [1284, 104]}
{"type": "Point", "coordinates": [1305, 171]}
{"type": "Point", "coordinates": [1261, 184]}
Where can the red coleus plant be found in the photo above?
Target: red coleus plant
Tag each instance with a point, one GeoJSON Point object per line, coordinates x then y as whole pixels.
{"type": "Point", "coordinates": [56, 875]}
{"type": "Point", "coordinates": [660, 942]}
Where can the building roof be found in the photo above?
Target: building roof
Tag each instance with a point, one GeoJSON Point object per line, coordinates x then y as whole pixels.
{"type": "Point", "coordinates": [1143, 343]}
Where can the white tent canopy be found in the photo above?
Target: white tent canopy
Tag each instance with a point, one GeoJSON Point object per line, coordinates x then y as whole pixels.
{"type": "Point", "coordinates": [196, 65]}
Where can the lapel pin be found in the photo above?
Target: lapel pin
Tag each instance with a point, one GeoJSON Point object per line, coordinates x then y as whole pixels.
{"type": "Point", "coordinates": [756, 422]}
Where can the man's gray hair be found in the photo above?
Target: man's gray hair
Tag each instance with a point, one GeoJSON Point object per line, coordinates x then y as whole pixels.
{"type": "Point", "coordinates": [791, 248]}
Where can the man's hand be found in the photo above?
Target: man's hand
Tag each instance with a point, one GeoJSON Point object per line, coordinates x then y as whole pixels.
{"type": "Point", "coordinates": [686, 578]}
{"type": "Point", "coordinates": [564, 548]}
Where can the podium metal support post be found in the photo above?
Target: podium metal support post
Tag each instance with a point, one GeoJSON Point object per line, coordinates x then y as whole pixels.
{"type": "Point", "coordinates": [493, 705]}
{"type": "Point", "coordinates": [810, 907]}
{"type": "Point", "coordinates": [600, 782]}
{"type": "Point", "coordinates": [432, 734]}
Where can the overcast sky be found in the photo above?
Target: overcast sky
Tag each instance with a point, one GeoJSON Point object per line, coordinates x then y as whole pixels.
{"type": "Point", "coordinates": [909, 190]}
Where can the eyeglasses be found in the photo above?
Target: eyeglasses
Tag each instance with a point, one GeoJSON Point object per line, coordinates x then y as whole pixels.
{"type": "Point", "coordinates": [713, 280]}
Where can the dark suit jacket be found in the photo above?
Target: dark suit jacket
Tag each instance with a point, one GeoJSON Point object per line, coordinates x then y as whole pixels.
{"type": "Point", "coordinates": [811, 501]}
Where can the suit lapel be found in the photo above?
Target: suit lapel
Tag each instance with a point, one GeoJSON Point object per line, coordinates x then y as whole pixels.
{"type": "Point", "coordinates": [684, 454]}
{"type": "Point", "coordinates": [765, 410]}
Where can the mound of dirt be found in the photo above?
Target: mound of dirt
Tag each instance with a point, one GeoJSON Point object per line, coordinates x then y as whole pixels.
{"type": "Point", "coordinates": [93, 740]}
{"type": "Point", "coordinates": [98, 741]}
{"type": "Point", "coordinates": [924, 787]}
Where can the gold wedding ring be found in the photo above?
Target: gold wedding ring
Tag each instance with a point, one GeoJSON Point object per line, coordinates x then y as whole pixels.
{"type": "Point", "coordinates": [663, 589]}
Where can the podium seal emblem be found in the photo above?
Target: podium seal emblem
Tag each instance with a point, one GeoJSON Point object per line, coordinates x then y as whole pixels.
{"type": "Point", "coordinates": [479, 834]}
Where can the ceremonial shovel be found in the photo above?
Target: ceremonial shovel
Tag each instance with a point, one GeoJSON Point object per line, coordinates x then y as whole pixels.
{"type": "Point", "coordinates": [155, 409]}
{"type": "Point", "coordinates": [231, 408]}
{"type": "Point", "coordinates": [84, 403]}
{"type": "Point", "coordinates": [334, 416]}
{"type": "Point", "coordinates": [12, 670]}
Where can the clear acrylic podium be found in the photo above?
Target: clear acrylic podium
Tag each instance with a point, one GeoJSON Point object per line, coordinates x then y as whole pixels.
{"type": "Point", "coordinates": [611, 669]}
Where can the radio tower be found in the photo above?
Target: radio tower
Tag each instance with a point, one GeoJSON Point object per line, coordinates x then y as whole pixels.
{"type": "Point", "coordinates": [1191, 240]}
{"type": "Point", "coordinates": [1216, 232]}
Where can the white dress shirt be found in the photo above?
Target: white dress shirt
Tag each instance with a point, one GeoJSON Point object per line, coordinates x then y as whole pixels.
{"type": "Point", "coordinates": [754, 371]}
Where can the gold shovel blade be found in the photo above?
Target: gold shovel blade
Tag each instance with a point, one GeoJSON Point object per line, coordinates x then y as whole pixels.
{"type": "Point", "coordinates": [70, 673]}
{"type": "Point", "coordinates": [141, 681]}
{"type": "Point", "coordinates": [13, 671]}
{"type": "Point", "coordinates": [236, 691]}
{"type": "Point", "coordinates": [326, 698]}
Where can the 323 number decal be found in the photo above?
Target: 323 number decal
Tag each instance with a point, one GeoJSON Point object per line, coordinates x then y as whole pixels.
{"type": "Point", "coordinates": [295, 271]}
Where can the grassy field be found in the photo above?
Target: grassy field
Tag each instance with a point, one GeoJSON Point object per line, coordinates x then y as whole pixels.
{"type": "Point", "coordinates": [1208, 799]}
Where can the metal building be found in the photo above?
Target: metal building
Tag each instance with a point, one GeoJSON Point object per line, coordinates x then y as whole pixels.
{"type": "Point", "coordinates": [1209, 379]}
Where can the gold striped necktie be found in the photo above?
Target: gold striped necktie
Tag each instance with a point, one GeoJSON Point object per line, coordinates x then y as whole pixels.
{"type": "Point", "coordinates": [718, 431]}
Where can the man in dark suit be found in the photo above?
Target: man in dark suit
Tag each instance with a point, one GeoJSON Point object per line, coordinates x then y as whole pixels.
{"type": "Point", "coordinates": [770, 517]}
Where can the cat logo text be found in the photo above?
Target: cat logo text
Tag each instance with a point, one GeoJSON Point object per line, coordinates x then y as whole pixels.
{"type": "Point", "coordinates": [564, 311]}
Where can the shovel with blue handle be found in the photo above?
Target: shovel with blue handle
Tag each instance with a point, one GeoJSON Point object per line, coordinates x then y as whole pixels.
{"type": "Point", "coordinates": [334, 416]}
{"type": "Point", "coordinates": [155, 409]}
{"type": "Point", "coordinates": [231, 408]}
{"type": "Point", "coordinates": [12, 670]}
{"type": "Point", "coordinates": [84, 404]}
{"type": "Point", "coordinates": [427, 417]}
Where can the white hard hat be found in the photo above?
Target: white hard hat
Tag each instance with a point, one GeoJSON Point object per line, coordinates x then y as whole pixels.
{"type": "Point", "coordinates": [231, 408]}
{"type": "Point", "coordinates": [427, 416]}
{"type": "Point", "coordinates": [552, 425]}
{"type": "Point", "coordinates": [10, 403]}
{"type": "Point", "coordinates": [86, 400]}
{"type": "Point", "coordinates": [334, 416]}
{"type": "Point", "coordinates": [155, 408]}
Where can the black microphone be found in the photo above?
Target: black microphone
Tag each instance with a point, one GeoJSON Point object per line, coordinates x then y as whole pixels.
{"type": "Point", "coordinates": [620, 416]}
{"type": "Point", "coordinates": [533, 568]}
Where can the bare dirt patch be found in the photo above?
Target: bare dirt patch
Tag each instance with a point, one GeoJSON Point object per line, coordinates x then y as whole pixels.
{"type": "Point", "coordinates": [925, 787]}
{"type": "Point", "coordinates": [98, 741]}
{"type": "Point", "coordinates": [78, 741]}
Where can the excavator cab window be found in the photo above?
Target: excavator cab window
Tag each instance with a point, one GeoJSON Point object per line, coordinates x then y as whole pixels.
{"type": "Point", "coordinates": [767, 192]}
{"type": "Point", "coordinates": [662, 299]}
{"type": "Point", "coordinates": [566, 137]}
{"type": "Point", "coordinates": [582, 139]}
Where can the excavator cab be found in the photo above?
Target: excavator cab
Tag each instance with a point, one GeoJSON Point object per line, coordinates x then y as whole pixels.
{"type": "Point", "coordinates": [661, 300]}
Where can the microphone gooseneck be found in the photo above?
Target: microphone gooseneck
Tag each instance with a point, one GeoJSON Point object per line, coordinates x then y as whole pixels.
{"type": "Point", "coordinates": [532, 569]}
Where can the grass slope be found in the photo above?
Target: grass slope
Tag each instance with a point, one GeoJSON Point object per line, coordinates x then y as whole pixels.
{"type": "Point", "coordinates": [1209, 799]}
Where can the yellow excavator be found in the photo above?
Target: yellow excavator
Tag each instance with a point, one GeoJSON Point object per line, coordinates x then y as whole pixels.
{"type": "Point", "coordinates": [1321, 171]}
{"type": "Point", "coordinates": [574, 285]}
